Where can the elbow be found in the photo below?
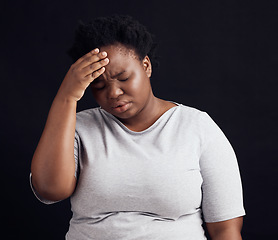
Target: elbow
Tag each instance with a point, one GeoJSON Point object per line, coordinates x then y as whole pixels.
{"type": "Point", "coordinates": [51, 190]}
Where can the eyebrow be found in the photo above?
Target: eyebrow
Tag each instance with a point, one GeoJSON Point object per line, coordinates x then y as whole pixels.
{"type": "Point", "coordinates": [99, 79]}
{"type": "Point", "coordinates": [118, 74]}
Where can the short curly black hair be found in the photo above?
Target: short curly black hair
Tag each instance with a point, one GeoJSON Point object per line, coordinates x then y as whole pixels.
{"type": "Point", "coordinates": [104, 31]}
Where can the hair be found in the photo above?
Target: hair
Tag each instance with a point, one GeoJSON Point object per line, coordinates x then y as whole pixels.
{"type": "Point", "coordinates": [104, 31]}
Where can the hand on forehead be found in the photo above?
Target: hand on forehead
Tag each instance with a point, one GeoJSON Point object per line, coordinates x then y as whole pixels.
{"type": "Point", "coordinates": [120, 58]}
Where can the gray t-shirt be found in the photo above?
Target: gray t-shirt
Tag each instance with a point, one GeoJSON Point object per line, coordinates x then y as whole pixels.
{"type": "Point", "coordinates": [154, 184]}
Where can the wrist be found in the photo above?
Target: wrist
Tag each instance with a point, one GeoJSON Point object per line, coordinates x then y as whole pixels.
{"type": "Point", "coordinates": [64, 99]}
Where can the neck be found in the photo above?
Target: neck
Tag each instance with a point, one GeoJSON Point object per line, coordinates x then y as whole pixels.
{"type": "Point", "coordinates": [152, 110]}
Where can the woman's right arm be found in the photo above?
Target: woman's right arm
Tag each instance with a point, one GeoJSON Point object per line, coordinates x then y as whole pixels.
{"type": "Point", "coordinates": [53, 164]}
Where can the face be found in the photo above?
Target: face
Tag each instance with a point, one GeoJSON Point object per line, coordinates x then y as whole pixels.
{"type": "Point", "coordinates": [124, 88]}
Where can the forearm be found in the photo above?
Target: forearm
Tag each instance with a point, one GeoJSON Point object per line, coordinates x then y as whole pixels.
{"type": "Point", "coordinates": [53, 163]}
{"type": "Point", "coordinates": [226, 230]}
{"type": "Point", "coordinates": [227, 235]}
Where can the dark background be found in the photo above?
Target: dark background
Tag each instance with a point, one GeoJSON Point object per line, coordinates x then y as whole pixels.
{"type": "Point", "coordinates": [217, 56]}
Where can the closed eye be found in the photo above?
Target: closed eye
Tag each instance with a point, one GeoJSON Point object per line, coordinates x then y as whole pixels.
{"type": "Point", "coordinates": [99, 88]}
{"type": "Point", "coordinates": [98, 84]}
{"type": "Point", "coordinates": [123, 80]}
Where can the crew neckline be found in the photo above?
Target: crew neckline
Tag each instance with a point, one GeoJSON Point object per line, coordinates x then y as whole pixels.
{"type": "Point", "coordinates": [147, 129]}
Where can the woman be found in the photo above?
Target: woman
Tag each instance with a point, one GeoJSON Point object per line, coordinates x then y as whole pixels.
{"type": "Point", "coordinates": [137, 167]}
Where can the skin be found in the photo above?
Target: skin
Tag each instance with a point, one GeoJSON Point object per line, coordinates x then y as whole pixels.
{"type": "Point", "coordinates": [127, 79]}
{"type": "Point", "coordinates": [226, 230]}
{"type": "Point", "coordinates": [120, 83]}
{"type": "Point", "coordinates": [53, 164]}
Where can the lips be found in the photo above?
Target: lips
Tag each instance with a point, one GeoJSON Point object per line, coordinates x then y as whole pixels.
{"type": "Point", "coordinates": [120, 104]}
{"type": "Point", "coordinates": [121, 107]}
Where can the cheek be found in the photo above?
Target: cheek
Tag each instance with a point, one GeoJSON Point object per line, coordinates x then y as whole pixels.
{"type": "Point", "coordinates": [139, 85]}
{"type": "Point", "coordinates": [98, 96]}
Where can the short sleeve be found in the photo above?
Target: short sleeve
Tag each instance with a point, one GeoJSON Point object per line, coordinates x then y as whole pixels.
{"type": "Point", "coordinates": [221, 188]}
{"type": "Point", "coordinates": [76, 154]}
{"type": "Point", "coordinates": [37, 195]}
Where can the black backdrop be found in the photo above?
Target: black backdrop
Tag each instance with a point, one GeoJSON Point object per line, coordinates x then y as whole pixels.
{"type": "Point", "coordinates": [218, 56]}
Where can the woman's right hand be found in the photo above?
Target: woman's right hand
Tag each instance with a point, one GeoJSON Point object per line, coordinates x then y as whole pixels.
{"type": "Point", "coordinates": [84, 71]}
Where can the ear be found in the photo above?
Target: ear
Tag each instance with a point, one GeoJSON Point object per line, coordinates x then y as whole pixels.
{"type": "Point", "coordinates": [147, 66]}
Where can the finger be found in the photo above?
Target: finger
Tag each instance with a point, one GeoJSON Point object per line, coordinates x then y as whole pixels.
{"type": "Point", "coordinates": [91, 53]}
{"type": "Point", "coordinates": [90, 69]}
{"type": "Point", "coordinates": [92, 59]}
{"type": "Point", "coordinates": [95, 74]}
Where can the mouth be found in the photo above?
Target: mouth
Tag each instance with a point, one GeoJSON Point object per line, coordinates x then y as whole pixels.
{"type": "Point", "coordinates": [121, 107]}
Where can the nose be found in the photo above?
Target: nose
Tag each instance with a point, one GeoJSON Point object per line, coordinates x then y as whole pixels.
{"type": "Point", "coordinates": [114, 91]}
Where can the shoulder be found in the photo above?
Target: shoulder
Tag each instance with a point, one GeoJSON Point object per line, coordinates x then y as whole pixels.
{"type": "Point", "coordinates": [190, 111]}
{"type": "Point", "coordinates": [207, 128]}
{"type": "Point", "coordinates": [191, 119]}
{"type": "Point", "coordinates": [88, 118]}
{"type": "Point", "coordinates": [191, 114]}
{"type": "Point", "coordinates": [199, 120]}
{"type": "Point", "coordinates": [88, 113]}
{"type": "Point", "coordinates": [195, 114]}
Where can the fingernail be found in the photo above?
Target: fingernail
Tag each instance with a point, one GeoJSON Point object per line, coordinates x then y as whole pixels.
{"type": "Point", "coordinates": [96, 50]}
{"type": "Point", "coordinates": [103, 53]}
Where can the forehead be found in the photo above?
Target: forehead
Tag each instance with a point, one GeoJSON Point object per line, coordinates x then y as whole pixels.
{"type": "Point", "coordinates": [120, 58]}
{"type": "Point", "coordinates": [119, 49]}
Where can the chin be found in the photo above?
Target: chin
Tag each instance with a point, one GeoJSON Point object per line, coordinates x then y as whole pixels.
{"type": "Point", "coordinates": [123, 116]}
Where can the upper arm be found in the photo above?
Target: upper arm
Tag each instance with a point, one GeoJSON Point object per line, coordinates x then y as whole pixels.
{"type": "Point", "coordinates": [62, 191]}
{"type": "Point", "coordinates": [229, 229]}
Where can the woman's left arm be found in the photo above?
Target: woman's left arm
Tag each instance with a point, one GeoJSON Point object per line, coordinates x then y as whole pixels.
{"type": "Point", "coordinates": [226, 230]}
